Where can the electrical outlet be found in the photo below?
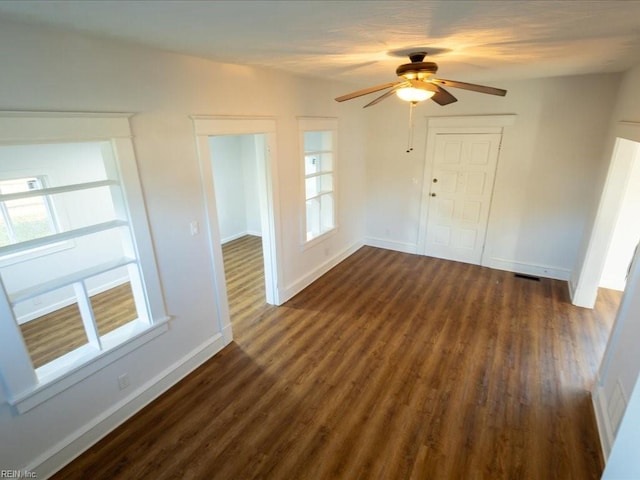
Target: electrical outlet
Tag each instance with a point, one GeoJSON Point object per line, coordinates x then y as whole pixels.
{"type": "Point", "coordinates": [123, 381]}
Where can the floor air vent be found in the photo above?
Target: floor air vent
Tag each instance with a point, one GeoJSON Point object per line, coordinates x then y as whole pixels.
{"type": "Point", "coordinates": [527, 277]}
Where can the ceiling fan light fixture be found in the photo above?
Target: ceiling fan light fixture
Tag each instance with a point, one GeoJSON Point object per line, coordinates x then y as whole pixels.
{"type": "Point", "coordinates": [411, 94]}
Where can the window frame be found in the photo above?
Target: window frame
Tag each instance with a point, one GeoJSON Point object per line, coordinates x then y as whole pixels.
{"type": "Point", "coordinates": [318, 124]}
{"type": "Point", "coordinates": [23, 388]}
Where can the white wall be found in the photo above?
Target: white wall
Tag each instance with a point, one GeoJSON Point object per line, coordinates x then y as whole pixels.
{"type": "Point", "coordinates": [545, 175]}
{"type": "Point", "coordinates": [51, 71]}
{"type": "Point", "coordinates": [236, 185]}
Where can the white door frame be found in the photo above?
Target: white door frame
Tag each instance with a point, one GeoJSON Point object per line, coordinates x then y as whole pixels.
{"type": "Point", "coordinates": [585, 280]}
{"type": "Point", "coordinates": [460, 125]}
{"type": "Point", "coordinates": [205, 127]}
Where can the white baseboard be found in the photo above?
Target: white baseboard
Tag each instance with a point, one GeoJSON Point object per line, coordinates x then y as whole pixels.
{"type": "Point", "coordinates": [527, 268]}
{"type": "Point", "coordinates": [303, 282]}
{"type": "Point", "coordinates": [391, 245]}
{"type": "Point", "coordinates": [236, 236]}
{"type": "Point", "coordinates": [602, 420]}
{"type": "Point", "coordinates": [79, 441]}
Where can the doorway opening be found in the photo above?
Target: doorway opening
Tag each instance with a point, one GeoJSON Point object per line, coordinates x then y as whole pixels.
{"type": "Point", "coordinates": [256, 137]}
{"type": "Point", "coordinates": [616, 232]}
{"type": "Point", "coordinates": [238, 167]}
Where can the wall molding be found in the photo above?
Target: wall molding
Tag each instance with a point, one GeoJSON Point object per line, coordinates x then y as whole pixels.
{"type": "Point", "coordinates": [303, 282]}
{"type": "Point", "coordinates": [236, 236]}
{"type": "Point", "coordinates": [403, 247]}
{"type": "Point", "coordinates": [69, 448]}
{"type": "Point", "coordinates": [599, 403]}
{"type": "Point", "coordinates": [545, 271]}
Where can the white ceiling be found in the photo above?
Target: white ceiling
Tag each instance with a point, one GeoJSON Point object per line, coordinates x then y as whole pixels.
{"type": "Point", "coordinates": [350, 40]}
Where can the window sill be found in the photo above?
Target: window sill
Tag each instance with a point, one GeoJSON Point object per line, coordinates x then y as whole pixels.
{"type": "Point", "coordinates": [319, 239]}
{"type": "Point", "coordinates": [85, 361]}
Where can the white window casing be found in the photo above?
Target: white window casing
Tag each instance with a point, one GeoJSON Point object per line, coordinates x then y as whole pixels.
{"type": "Point", "coordinates": [24, 385]}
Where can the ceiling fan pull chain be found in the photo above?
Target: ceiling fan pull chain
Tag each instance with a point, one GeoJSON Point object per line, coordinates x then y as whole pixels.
{"type": "Point", "coordinates": [410, 142]}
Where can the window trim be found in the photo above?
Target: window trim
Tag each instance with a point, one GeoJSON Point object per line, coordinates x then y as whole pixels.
{"type": "Point", "coordinates": [22, 387]}
{"type": "Point", "coordinates": [318, 124]}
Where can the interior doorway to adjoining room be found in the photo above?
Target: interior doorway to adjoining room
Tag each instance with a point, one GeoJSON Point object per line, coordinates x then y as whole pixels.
{"type": "Point", "coordinates": [258, 135]}
{"type": "Point", "coordinates": [626, 232]}
{"type": "Point", "coordinates": [238, 167]}
{"type": "Point", "coordinates": [616, 232]}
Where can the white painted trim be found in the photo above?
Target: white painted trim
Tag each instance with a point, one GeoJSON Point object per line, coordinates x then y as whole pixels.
{"type": "Point", "coordinates": [303, 282]}
{"type": "Point", "coordinates": [82, 439]}
{"type": "Point", "coordinates": [54, 382]}
{"type": "Point", "coordinates": [205, 127]}
{"type": "Point", "coordinates": [25, 389]}
{"type": "Point", "coordinates": [42, 127]}
{"type": "Point", "coordinates": [236, 236]}
{"type": "Point", "coordinates": [391, 245]}
{"type": "Point", "coordinates": [545, 271]}
{"type": "Point", "coordinates": [602, 420]}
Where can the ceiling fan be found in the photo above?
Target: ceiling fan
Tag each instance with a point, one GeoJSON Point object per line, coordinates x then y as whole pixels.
{"type": "Point", "coordinates": [417, 83]}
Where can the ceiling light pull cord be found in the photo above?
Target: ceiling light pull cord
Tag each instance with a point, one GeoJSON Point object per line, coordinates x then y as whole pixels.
{"type": "Point", "coordinates": [410, 142]}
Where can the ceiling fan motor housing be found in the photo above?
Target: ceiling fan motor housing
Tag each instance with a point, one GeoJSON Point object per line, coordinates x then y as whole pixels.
{"type": "Point", "coordinates": [416, 70]}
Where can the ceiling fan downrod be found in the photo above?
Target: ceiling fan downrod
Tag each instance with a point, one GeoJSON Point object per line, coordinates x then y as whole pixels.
{"type": "Point", "coordinates": [412, 105]}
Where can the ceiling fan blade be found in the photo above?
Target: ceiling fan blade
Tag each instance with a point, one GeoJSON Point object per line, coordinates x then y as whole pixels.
{"type": "Point", "coordinates": [442, 97]}
{"type": "Point", "coordinates": [380, 98]}
{"type": "Point", "coordinates": [385, 95]}
{"type": "Point", "coordinates": [423, 85]}
{"type": "Point", "coordinates": [470, 86]}
{"type": "Point", "coordinates": [366, 91]}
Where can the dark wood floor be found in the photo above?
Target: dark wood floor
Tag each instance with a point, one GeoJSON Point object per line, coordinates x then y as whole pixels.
{"type": "Point", "coordinates": [244, 272]}
{"type": "Point", "coordinates": [391, 366]}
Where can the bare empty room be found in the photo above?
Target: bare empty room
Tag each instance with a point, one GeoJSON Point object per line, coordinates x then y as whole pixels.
{"type": "Point", "coordinates": [215, 263]}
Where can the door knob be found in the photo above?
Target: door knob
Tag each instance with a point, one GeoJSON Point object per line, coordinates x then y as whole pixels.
{"type": "Point", "coordinates": [433, 194]}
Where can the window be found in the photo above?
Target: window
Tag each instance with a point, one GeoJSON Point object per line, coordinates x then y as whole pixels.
{"type": "Point", "coordinates": [318, 141]}
{"type": "Point", "coordinates": [69, 312]}
{"type": "Point", "coordinates": [25, 217]}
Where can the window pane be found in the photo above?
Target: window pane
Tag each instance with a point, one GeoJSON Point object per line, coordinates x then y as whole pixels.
{"type": "Point", "coordinates": [85, 207]}
{"type": "Point", "coordinates": [4, 232]}
{"type": "Point", "coordinates": [317, 141]}
{"type": "Point", "coordinates": [29, 218]}
{"type": "Point", "coordinates": [52, 334]}
{"type": "Point", "coordinates": [318, 162]}
{"type": "Point", "coordinates": [326, 212]}
{"type": "Point", "coordinates": [317, 185]}
{"type": "Point", "coordinates": [313, 218]}
{"type": "Point", "coordinates": [326, 162]}
{"type": "Point", "coordinates": [311, 187]}
{"type": "Point", "coordinates": [326, 183]}
{"type": "Point", "coordinates": [114, 305]}
{"type": "Point", "coordinates": [311, 164]}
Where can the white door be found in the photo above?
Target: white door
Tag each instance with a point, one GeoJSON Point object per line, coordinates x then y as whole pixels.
{"type": "Point", "coordinates": [461, 186]}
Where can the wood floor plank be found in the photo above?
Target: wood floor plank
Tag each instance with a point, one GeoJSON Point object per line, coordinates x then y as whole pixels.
{"type": "Point", "coordinates": [390, 366]}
